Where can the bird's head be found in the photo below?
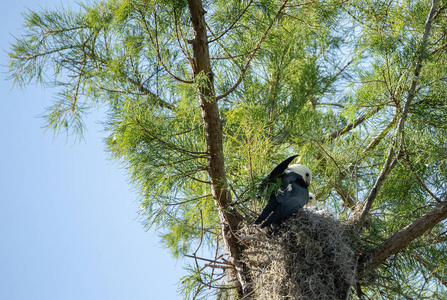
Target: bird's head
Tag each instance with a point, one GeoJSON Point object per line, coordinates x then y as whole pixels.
{"type": "Point", "coordinates": [302, 170]}
{"type": "Point", "coordinates": [312, 200]}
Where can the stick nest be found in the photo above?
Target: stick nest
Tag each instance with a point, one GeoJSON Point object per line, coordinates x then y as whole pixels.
{"type": "Point", "coordinates": [311, 258]}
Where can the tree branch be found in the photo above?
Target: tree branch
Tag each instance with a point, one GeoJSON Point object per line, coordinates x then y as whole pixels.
{"type": "Point", "coordinates": [336, 133]}
{"type": "Point", "coordinates": [145, 91]}
{"type": "Point", "coordinates": [400, 127]}
{"type": "Point", "coordinates": [169, 145]}
{"type": "Point", "coordinates": [439, 49]}
{"type": "Point", "coordinates": [402, 238]}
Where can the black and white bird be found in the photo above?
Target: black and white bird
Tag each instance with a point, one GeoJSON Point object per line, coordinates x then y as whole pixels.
{"type": "Point", "coordinates": [292, 194]}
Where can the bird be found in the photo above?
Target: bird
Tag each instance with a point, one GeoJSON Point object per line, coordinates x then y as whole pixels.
{"type": "Point", "coordinates": [312, 201]}
{"type": "Point", "coordinates": [293, 192]}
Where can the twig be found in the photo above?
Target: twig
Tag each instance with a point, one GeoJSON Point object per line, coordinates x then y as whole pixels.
{"type": "Point", "coordinates": [328, 155]}
{"type": "Point", "coordinates": [209, 260]}
{"type": "Point", "coordinates": [189, 200]}
{"type": "Point", "coordinates": [258, 46]}
{"type": "Point", "coordinates": [240, 201]}
{"type": "Point", "coordinates": [420, 180]}
{"type": "Point", "coordinates": [234, 23]}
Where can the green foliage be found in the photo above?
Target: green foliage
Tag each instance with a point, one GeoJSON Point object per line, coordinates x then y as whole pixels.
{"type": "Point", "coordinates": [325, 79]}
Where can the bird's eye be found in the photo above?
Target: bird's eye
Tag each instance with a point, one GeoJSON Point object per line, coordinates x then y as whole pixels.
{"type": "Point", "coordinates": [307, 174]}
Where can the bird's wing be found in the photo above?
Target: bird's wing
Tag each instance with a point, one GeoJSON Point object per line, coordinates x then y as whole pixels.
{"type": "Point", "coordinates": [269, 179]}
{"type": "Point", "coordinates": [271, 206]}
{"type": "Point", "coordinates": [275, 217]}
{"type": "Point", "coordinates": [292, 196]}
{"type": "Point", "coordinates": [277, 171]}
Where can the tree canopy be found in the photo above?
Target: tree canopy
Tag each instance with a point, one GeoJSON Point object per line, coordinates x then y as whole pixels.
{"type": "Point", "coordinates": [204, 98]}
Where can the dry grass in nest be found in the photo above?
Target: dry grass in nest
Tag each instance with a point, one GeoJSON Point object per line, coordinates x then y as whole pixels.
{"type": "Point", "coordinates": [311, 258]}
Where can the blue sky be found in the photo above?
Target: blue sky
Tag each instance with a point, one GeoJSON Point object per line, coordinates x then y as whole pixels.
{"type": "Point", "coordinates": [68, 218]}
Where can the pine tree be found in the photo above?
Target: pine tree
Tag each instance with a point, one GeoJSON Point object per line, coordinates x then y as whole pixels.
{"type": "Point", "coordinates": [205, 97]}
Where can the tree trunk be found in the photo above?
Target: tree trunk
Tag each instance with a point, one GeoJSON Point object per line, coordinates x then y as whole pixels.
{"type": "Point", "coordinates": [230, 219]}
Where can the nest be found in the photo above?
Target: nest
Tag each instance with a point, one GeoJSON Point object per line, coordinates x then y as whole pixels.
{"type": "Point", "coordinates": [311, 258]}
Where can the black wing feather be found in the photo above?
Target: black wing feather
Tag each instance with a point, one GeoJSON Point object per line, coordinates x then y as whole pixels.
{"type": "Point", "coordinates": [271, 206]}
{"type": "Point", "coordinates": [277, 171]}
{"type": "Point", "coordinates": [293, 195]}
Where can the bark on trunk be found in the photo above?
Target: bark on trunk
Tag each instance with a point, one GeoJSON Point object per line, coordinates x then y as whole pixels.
{"type": "Point", "coordinates": [230, 219]}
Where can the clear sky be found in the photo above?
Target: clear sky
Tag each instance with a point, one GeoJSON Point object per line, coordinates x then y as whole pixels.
{"type": "Point", "coordinates": [68, 218]}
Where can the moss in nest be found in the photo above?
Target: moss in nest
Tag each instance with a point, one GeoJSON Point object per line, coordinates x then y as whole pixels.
{"type": "Point", "coordinates": [311, 258]}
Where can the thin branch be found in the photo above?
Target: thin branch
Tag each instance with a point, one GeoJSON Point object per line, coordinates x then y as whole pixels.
{"type": "Point", "coordinates": [302, 21]}
{"type": "Point", "coordinates": [328, 155]}
{"type": "Point", "coordinates": [157, 48]}
{"type": "Point", "coordinates": [177, 29]}
{"type": "Point", "coordinates": [223, 47]}
{"type": "Point", "coordinates": [381, 135]}
{"type": "Point", "coordinates": [386, 169]}
{"type": "Point", "coordinates": [188, 131]}
{"type": "Point", "coordinates": [420, 180]}
{"type": "Point", "coordinates": [439, 49]}
{"type": "Point", "coordinates": [258, 46]}
{"type": "Point", "coordinates": [240, 201]}
{"type": "Point", "coordinates": [166, 143]}
{"type": "Point", "coordinates": [330, 104]}
{"type": "Point", "coordinates": [234, 56]}
{"type": "Point", "coordinates": [209, 230]}
{"type": "Point", "coordinates": [214, 266]}
{"type": "Point", "coordinates": [345, 196]}
{"type": "Point", "coordinates": [208, 260]}
{"type": "Point", "coordinates": [201, 234]}
{"type": "Point", "coordinates": [198, 246]}
{"type": "Point", "coordinates": [234, 23]}
{"type": "Point", "coordinates": [144, 90]}
{"type": "Point", "coordinates": [395, 290]}
{"type": "Point", "coordinates": [336, 133]}
{"type": "Point", "coordinates": [189, 200]}
{"type": "Point", "coordinates": [432, 268]}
